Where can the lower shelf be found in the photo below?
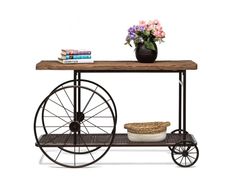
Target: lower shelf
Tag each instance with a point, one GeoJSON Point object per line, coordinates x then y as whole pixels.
{"type": "Point", "coordinates": [95, 140]}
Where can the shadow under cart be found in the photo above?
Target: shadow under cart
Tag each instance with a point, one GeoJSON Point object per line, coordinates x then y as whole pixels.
{"type": "Point", "coordinates": [78, 118]}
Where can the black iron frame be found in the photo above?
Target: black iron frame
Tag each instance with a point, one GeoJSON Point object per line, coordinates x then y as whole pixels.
{"type": "Point", "coordinates": [182, 92]}
{"type": "Point", "coordinates": [182, 129]}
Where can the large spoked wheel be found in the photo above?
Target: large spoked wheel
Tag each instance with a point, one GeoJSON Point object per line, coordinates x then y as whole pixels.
{"type": "Point", "coordinates": [73, 134]}
{"type": "Point", "coordinates": [185, 153]}
{"type": "Point", "coordinates": [86, 83]}
{"type": "Point", "coordinates": [177, 131]}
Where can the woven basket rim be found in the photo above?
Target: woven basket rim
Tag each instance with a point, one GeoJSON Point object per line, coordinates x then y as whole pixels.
{"type": "Point", "coordinates": [147, 127]}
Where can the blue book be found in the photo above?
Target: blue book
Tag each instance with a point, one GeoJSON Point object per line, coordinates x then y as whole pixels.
{"type": "Point", "coordinates": [76, 57]}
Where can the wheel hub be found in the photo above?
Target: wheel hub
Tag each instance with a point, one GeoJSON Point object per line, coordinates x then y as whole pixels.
{"type": "Point", "coordinates": [74, 126]}
{"type": "Point", "coordinates": [185, 153]}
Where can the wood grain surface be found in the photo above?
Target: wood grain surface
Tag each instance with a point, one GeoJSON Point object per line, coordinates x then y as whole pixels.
{"type": "Point", "coordinates": [118, 66]}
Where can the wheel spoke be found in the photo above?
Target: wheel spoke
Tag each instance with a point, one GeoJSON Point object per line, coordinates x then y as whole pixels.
{"type": "Point", "coordinates": [100, 117]}
{"type": "Point", "coordinates": [55, 115]}
{"type": "Point", "coordinates": [179, 157]}
{"type": "Point", "coordinates": [63, 106]}
{"type": "Point", "coordinates": [189, 160]}
{"type": "Point", "coordinates": [59, 105]}
{"type": "Point", "coordinates": [50, 126]}
{"type": "Point", "coordinates": [63, 146]}
{"type": "Point", "coordinates": [68, 97]}
{"type": "Point", "coordinates": [83, 132]}
{"type": "Point", "coordinates": [95, 114]}
{"type": "Point", "coordinates": [85, 128]}
{"type": "Point", "coordinates": [58, 154]}
{"type": "Point", "coordinates": [96, 107]}
{"type": "Point", "coordinates": [97, 127]}
{"type": "Point", "coordinates": [193, 152]}
{"type": "Point", "coordinates": [75, 138]}
{"type": "Point", "coordinates": [181, 160]}
{"type": "Point", "coordinates": [87, 148]}
{"type": "Point", "coordinates": [75, 142]}
{"type": "Point", "coordinates": [59, 128]}
{"type": "Point", "coordinates": [89, 100]}
{"type": "Point", "coordinates": [191, 149]}
{"type": "Point", "coordinates": [191, 156]}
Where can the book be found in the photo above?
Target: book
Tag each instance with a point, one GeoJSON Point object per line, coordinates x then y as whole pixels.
{"type": "Point", "coordinates": [76, 57]}
{"type": "Point", "coordinates": [75, 52]}
{"type": "Point", "coordinates": [75, 61]}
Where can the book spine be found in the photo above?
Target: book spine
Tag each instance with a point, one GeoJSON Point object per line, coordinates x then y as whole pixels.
{"type": "Point", "coordinates": [71, 61]}
{"type": "Point", "coordinates": [75, 52]}
{"type": "Point", "coordinates": [77, 57]}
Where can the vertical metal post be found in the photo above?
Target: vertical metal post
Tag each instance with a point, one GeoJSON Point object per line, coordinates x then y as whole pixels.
{"type": "Point", "coordinates": [180, 101]}
{"type": "Point", "coordinates": [79, 92]}
{"type": "Point", "coordinates": [184, 104]}
{"type": "Point", "coordinates": [79, 100]}
{"type": "Point", "coordinates": [75, 96]}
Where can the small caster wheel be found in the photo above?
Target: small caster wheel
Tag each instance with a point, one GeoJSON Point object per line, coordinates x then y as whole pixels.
{"type": "Point", "coordinates": [176, 131]}
{"type": "Point", "coordinates": [185, 153]}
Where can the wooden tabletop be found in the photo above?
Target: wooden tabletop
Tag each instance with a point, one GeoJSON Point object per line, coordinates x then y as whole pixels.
{"type": "Point", "coordinates": [119, 66]}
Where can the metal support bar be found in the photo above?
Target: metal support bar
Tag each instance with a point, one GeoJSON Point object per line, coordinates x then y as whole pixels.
{"type": "Point", "coordinates": [79, 99]}
{"type": "Point", "coordinates": [180, 101]}
{"type": "Point", "coordinates": [184, 104]}
{"type": "Point", "coordinates": [75, 96]}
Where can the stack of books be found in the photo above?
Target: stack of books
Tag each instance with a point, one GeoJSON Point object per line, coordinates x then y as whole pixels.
{"type": "Point", "coordinates": [75, 56]}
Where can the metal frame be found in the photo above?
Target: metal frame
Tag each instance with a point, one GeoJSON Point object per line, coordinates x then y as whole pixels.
{"type": "Point", "coordinates": [182, 92]}
{"type": "Point", "coordinates": [185, 141]}
{"type": "Point", "coordinates": [182, 103]}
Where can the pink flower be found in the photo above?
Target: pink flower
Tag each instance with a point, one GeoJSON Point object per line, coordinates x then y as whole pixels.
{"type": "Point", "coordinates": [159, 27]}
{"type": "Point", "coordinates": [157, 34]}
{"type": "Point", "coordinates": [142, 23]}
{"type": "Point", "coordinates": [150, 27]}
{"type": "Point", "coordinates": [163, 34]}
{"type": "Point", "coordinates": [156, 22]}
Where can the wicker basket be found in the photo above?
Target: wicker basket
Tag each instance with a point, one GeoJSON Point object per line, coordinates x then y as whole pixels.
{"type": "Point", "coordinates": [147, 131]}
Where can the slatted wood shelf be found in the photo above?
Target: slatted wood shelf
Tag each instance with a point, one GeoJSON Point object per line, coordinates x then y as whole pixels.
{"type": "Point", "coordinates": [95, 140]}
{"type": "Point", "coordinates": [119, 66]}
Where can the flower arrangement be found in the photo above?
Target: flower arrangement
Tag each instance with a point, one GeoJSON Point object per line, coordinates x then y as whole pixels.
{"type": "Point", "coordinates": [146, 33]}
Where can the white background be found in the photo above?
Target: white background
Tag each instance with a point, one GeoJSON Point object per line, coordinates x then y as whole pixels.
{"type": "Point", "coordinates": [199, 30]}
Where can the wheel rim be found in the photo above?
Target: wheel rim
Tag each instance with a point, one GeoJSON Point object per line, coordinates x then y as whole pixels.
{"type": "Point", "coordinates": [88, 125]}
{"type": "Point", "coordinates": [185, 153]}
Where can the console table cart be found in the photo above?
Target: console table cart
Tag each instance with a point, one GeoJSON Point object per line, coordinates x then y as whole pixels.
{"type": "Point", "coordinates": [75, 125]}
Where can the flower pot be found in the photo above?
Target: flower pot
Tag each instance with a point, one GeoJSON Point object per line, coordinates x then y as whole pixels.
{"type": "Point", "coordinates": [145, 55]}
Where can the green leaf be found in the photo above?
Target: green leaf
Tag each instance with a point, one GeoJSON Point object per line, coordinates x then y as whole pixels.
{"type": "Point", "coordinates": [146, 33]}
{"type": "Point", "coordinates": [128, 42]}
{"type": "Point", "coordinates": [149, 45]}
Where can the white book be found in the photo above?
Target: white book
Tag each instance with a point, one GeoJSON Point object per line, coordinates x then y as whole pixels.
{"type": "Point", "coordinates": [73, 61]}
